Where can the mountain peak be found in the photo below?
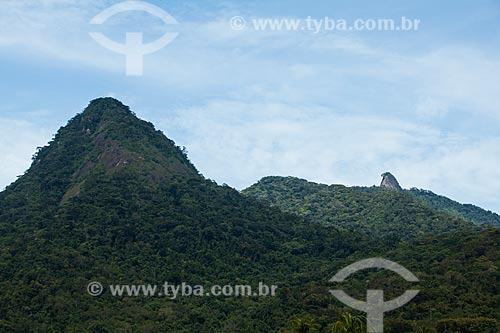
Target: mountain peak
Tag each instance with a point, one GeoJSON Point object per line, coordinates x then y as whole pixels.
{"type": "Point", "coordinates": [105, 108]}
{"type": "Point", "coordinates": [389, 181]}
{"type": "Point", "coordinates": [104, 142]}
{"type": "Point", "coordinates": [102, 101]}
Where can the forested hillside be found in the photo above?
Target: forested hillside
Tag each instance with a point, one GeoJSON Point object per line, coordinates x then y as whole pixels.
{"type": "Point", "coordinates": [373, 211]}
{"type": "Point", "coordinates": [111, 199]}
{"type": "Point", "coordinates": [467, 212]}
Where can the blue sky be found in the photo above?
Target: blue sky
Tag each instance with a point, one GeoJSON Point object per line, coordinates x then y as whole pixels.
{"type": "Point", "coordinates": [333, 107]}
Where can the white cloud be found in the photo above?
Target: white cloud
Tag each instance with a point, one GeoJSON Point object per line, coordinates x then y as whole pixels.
{"type": "Point", "coordinates": [332, 108]}
{"type": "Point", "coordinates": [465, 171]}
{"type": "Point", "coordinates": [212, 58]}
{"type": "Point", "coordinates": [460, 78]}
{"type": "Point", "coordinates": [238, 143]}
{"type": "Point", "coordinates": [18, 142]}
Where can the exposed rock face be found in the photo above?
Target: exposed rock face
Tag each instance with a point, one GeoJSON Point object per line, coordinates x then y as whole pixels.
{"type": "Point", "coordinates": [389, 181]}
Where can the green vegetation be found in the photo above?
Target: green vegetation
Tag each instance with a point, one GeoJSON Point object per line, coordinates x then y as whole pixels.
{"type": "Point", "coordinates": [466, 212]}
{"type": "Point", "coordinates": [348, 323]}
{"type": "Point", "coordinates": [374, 211]}
{"type": "Point", "coordinates": [303, 325]}
{"type": "Point", "coordinates": [468, 325]}
{"type": "Point", "coordinates": [112, 200]}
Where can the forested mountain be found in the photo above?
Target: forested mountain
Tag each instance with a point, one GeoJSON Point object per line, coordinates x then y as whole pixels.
{"type": "Point", "coordinates": [459, 289]}
{"type": "Point", "coordinates": [373, 211]}
{"type": "Point", "coordinates": [467, 212]}
{"type": "Point", "coordinates": [111, 199]}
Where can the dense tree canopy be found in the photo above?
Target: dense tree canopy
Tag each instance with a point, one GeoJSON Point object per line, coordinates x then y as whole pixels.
{"type": "Point", "coordinates": [112, 200]}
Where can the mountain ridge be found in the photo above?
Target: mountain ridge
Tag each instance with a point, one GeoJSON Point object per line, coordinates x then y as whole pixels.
{"type": "Point", "coordinates": [468, 212]}
{"type": "Point", "coordinates": [156, 219]}
{"type": "Point", "coordinates": [375, 211]}
{"type": "Point", "coordinates": [125, 224]}
{"type": "Point", "coordinates": [104, 138]}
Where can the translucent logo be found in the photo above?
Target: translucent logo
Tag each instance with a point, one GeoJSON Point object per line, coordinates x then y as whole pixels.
{"type": "Point", "coordinates": [134, 49]}
{"type": "Point", "coordinates": [374, 305]}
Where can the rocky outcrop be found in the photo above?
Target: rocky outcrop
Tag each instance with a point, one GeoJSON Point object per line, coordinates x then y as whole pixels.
{"type": "Point", "coordinates": [389, 181]}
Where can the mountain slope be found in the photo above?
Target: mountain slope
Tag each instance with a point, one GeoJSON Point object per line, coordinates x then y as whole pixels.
{"type": "Point", "coordinates": [467, 212]}
{"type": "Point", "coordinates": [457, 273]}
{"type": "Point", "coordinates": [106, 138]}
{"type": "Point", "coordinates": [374, 211]}
{"type": "Point", "coordinates": [111, 199]}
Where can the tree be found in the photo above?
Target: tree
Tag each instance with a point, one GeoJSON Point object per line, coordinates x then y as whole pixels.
{"type": "Point", "coordinates": [303, 325]}
{"type": "Point", "coordinates": [348, 323]}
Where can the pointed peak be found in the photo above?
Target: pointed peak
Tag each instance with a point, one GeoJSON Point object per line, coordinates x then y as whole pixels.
{"type": "Point", "coordinates": [106, 107]}
{"type": "Point", "coordinates": [104, 140]}
{"type": "Point", "coordinates": [389, 181]}
{"type": "Point", "coordinates": [106, 102]}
